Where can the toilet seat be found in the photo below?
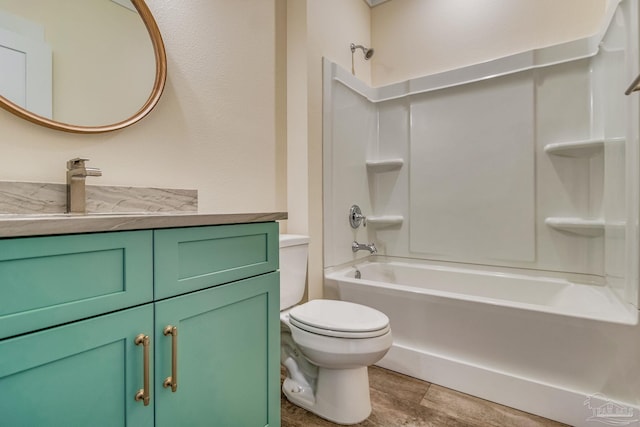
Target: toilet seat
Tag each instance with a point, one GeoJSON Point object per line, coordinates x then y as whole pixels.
{"type": "Point", "coordinates": [339, 319]}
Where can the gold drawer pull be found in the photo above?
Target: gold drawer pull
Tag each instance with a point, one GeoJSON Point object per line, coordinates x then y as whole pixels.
{"type": "Point", "coordinates": [143, 394]}
{"type": "Point", "coordinates": [173, 379]}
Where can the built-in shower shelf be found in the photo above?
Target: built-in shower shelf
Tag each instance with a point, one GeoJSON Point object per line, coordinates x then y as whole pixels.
{"type": "Point", "coordinates": [385, 221]}
{"type": "Point", "coordinates": [581, 226]}
{"type": "Point", "coordinates": [384, 165]}
{"type": "Point", "coordinates": [586, 148]}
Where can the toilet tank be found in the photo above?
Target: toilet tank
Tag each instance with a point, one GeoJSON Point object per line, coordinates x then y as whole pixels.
{"type": "Point", "coordinates": [293, 268]}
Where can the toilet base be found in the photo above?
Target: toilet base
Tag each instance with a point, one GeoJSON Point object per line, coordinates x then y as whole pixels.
{"type": "Point", "coordinates": [341, 395]}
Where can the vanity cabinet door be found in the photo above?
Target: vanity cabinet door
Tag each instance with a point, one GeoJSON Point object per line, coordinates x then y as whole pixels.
{"type": "Point", "coordinates": [85, 373]}
{"type": "Point", "coordinates": [228, 355]}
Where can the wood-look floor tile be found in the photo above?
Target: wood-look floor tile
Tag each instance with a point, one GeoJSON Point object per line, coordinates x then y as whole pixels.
{"type": "Point", "coordinates": [403, 386]}
{"type": "Point", "coordinates": [387, 412]}
{"type": "Point", "coordinates": [398, 400]}
{"type": "Point", "coordinates": [390, 410]}
{"type": "Point", "coordinates": [294, 416]}
{"type": "Point", "coordinates": [480, 412]}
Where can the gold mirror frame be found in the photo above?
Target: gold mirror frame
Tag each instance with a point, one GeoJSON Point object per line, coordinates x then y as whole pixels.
{"type": "Point", "coordinates": [156, 92]}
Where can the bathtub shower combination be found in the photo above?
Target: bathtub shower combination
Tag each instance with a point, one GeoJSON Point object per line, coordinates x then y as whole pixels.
{"type": "Point", "coordinates": [508, 337]}
{"type": "Point", "coordinates": [507, 248]}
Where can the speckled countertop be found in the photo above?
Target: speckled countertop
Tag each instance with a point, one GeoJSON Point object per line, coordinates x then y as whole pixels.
{"type": "Point", "coordinates": [16, 225]}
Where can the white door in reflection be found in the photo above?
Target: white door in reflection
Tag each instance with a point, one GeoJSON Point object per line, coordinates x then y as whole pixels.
{"type": "Point", "coordinates": [25, 72]}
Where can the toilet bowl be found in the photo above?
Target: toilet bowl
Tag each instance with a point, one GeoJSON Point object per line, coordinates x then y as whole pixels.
{"type": "Point", "coordinates": [326, 345]}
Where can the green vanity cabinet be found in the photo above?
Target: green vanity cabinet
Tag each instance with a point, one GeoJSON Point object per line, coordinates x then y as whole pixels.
{"type": "Point", "coordinates": [228, 356]}
{"type": "Point", "coordinates": [216, 288]}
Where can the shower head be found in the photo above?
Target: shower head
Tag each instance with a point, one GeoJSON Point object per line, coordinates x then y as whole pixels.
{"type": "Point", "coordinates": [368, 53]}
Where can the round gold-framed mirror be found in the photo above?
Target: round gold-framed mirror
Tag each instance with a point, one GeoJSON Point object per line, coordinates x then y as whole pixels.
{"type": "Point", "coordinates": [147, 88]}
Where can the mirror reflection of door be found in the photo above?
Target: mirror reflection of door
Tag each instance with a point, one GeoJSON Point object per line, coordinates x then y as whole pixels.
{"type": "Point", "coordinates": [103, 67]}
{"type": "Point", "coordinates": [25, 67]}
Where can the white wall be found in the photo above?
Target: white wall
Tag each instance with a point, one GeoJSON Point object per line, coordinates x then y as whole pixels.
{"type": "Point", "coordinates": [213, 130]}
{"type": "Point", "coordinates": [419, 37]}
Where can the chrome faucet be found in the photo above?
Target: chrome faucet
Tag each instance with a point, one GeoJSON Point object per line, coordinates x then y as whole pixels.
{"type": "Point", "coordinates": [77, 172]}
{"type": "Point", "coordinates": [371, 247]}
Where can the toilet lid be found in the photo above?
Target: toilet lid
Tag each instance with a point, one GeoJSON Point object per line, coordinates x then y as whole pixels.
{"type": "Point", "coordinates": [340, 319]}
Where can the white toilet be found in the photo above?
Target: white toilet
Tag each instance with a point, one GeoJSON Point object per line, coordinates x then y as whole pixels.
{"type": "Point", "coordinates": [326, 344]}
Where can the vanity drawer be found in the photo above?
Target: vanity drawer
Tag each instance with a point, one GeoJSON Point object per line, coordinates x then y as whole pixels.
{"type": "Point", "coordinates": [46, 281]}
{"type": "Point", "coordinates": [188, 259]}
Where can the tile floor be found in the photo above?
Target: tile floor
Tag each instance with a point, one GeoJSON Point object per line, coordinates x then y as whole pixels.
{"type": "Point", "coordinates": [399, 400]}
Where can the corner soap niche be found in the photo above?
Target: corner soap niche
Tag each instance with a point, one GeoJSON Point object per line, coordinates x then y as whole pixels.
{"type": "Point", "coordinates": [581, 226]}
{"type": "Point", "coordinates": [586, 148]}
{"type": "Point", "coordinates": [384, 165]}
{"type": "Point", "coordinates": [579, 149]}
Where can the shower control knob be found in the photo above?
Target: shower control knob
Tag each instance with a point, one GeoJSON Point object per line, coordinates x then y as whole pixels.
{"type": "Point", "coordinates": [356, 217]}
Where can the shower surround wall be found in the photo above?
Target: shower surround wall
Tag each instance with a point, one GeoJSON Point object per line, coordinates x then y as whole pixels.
{"type": "Point", "coordinates": [528, 162]}
{"type": "Point", "coordinates": [518, 162]}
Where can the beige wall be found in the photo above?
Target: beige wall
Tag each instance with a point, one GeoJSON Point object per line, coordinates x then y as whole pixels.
{"type": "Point", "coordinates": [297, 176]}
{"type": "Point", "coordinates": [219, 126]}
{"type": "Point", "coordinates": [317, 28]}
{"type": "Point", "coordinates": [418, 37]}
{"type": "Point", "coordinates": [213, 130]}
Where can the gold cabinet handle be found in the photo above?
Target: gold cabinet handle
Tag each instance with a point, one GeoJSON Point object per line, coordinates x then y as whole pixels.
{"type": "Point", "coordinates": [173, 379]}
{"type": "Point", "coordinates": [143, 393]}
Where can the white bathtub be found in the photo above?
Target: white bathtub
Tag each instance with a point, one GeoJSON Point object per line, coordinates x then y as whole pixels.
{"type": "Point", "coordinates": [509, 336]}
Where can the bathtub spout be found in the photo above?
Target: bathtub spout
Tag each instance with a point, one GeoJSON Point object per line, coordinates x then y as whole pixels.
{"type": "Point", "coordinates": [371, 247]}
